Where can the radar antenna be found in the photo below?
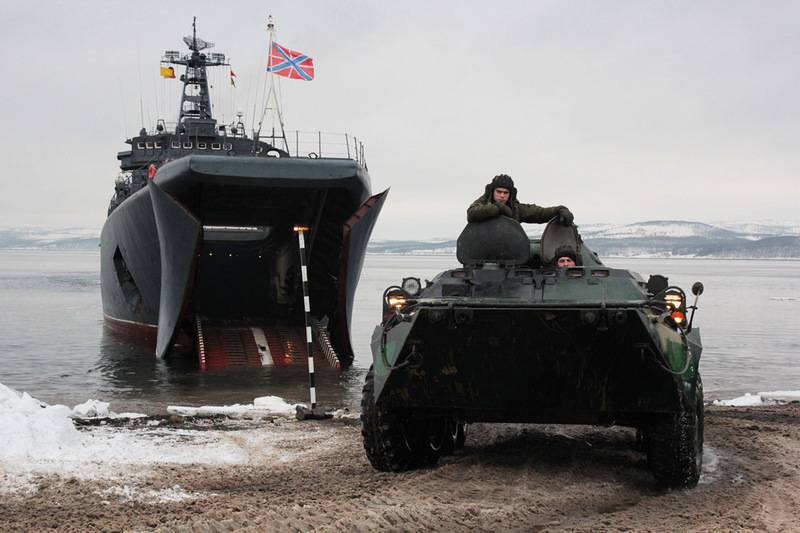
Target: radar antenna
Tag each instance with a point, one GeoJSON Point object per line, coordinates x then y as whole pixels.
{"type": "Point", "coordinates": [195, 116]}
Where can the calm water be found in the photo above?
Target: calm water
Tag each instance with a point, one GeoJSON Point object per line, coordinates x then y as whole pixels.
{"type": "Point", "coordinates": [53, 343]}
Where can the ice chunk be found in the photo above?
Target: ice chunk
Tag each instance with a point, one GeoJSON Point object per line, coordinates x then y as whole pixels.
{"type": "Point", "coordinates": [275, 404]}
{"type": "Point", "coordinates": [781, 396]}
{"type": "Point", "coordinates": [91, 409]}
{"type": "Point", "coordinates": [264, 405]}
{"type": "Point", "coordinates": [742, 401]}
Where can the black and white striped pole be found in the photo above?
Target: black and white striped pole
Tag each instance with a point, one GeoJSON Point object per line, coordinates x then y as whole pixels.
{"type": "Point", "coordinates": [313, 412]}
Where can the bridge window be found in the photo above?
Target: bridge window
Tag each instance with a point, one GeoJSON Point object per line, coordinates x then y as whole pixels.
{"type": "Point", "coordinates": [188, 145]}
{"type": "Point", "coordinates": [140, 146]}
{"type": "Point", "coordinates": [216, 146]}
{"type": "Point", "coordinates": [201, 146]}
{"type": "Point", "coordinates": [176, 144]}
{"type": "Point", "coordinates": [227, 146]}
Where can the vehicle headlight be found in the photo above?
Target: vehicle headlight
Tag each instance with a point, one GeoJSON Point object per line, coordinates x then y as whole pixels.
{"type": "Point", "coordinates": [674, 299]}
{"type": "Point", "coordinates": [412, 286]}
{"type": "Point", "coordinates": [396, 300]}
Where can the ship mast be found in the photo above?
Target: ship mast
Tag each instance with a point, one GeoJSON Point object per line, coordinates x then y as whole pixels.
{"type": "Point", "coordinates": [273, 95]}
{"type": "Point", "coordinates": [194, 114]}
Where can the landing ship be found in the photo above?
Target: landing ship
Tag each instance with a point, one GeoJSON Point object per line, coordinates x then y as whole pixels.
{"type": "Point", "coordinates": [200, 252]}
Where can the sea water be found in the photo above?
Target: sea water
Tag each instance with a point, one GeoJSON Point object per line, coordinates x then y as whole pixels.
{"type": "Point", "coordinates": [54, 345]}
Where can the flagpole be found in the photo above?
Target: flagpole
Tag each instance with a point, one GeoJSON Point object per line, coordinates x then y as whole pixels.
{"type": "Point", "coordinates": [273, 93]}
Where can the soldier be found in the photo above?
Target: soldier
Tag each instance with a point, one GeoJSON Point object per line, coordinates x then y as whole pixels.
{"type": "Point", "coordinates": [565, 256]}
{"type": "Point", "coordinates": [500, 198]}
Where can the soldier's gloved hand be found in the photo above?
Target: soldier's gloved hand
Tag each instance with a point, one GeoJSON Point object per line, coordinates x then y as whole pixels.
{"type": "Point", "coordinates": [504, 209]}
{"type": "Point", "coordinates": [565, 217]}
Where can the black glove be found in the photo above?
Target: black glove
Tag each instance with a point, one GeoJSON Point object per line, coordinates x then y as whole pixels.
{"type": "Point", "coordinates": [504, 210]}
{"type": "Point", "coordinates": [565, 217]}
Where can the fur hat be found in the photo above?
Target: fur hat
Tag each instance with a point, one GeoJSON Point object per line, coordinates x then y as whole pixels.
{"type": "Point", "coordinates": [504, 181]}
{"type": "Point", "coordinates": [565, 251]}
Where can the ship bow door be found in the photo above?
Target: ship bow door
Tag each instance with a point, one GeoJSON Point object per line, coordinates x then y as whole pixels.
{"type": "Point", "coordinates": [356, 232]}
{"type": "Point", "coordinates": [178, 238]}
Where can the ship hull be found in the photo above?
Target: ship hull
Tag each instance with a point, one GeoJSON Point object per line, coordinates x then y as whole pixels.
{"type": "Point", "coordinates": [209, 243]}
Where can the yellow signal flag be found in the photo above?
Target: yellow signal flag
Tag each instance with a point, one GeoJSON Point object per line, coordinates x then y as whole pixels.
{"type": "Point", "coordinates": [167, 72]}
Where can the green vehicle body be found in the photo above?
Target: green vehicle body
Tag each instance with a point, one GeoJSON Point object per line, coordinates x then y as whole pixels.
{"type": "Point", "coordinates": [526, 342]}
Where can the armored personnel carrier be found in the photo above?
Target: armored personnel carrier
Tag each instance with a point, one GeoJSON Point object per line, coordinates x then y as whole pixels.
{"type": "Point", "coordinates": [509, 337]}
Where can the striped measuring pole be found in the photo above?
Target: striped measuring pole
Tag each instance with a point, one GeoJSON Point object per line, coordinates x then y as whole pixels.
{"type": "Point", "coordinates": [301, 241]}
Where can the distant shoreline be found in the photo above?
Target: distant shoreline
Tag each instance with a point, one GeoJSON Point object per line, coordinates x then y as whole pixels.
{"type": "Point", "coordinates": [443, 255]}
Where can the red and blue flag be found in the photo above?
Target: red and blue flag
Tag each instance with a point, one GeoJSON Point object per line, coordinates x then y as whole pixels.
{"type": "Point", "coordinates": [290, 64]}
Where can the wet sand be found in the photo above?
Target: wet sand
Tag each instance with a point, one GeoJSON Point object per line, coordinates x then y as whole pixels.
{"type": "Point", "coordinates": [507, 478]}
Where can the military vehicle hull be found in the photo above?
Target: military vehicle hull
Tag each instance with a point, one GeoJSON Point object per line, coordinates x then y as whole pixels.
{"type": "Point", "coordinates": [552, 364]}
{"type": "Point", "coordinates": [512, 338]}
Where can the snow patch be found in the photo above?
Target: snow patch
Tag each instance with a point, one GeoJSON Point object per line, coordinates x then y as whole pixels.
{"type": "Point", "coordinates": [39, 439]}
{"type": "Point", "coordinates": [128, 493]}
{"type": "Point", "coordinates": [91, 409]}
{"type": "Point", "coordinates": [742, 401]}
{"type": "Point", "coordinates": [264, 405]}
{"type": "Point", "coordinates": [762, 398]}
{"type": "Point", "coordinates": [710, 465]}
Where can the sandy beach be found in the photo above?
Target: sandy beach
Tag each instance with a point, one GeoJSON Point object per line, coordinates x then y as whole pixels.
{"type": "Point", "coordinates": [314, 476]}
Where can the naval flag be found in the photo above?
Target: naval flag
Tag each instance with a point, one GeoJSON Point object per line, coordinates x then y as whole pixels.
{"type": "Point", "coordinates": [290, 64]}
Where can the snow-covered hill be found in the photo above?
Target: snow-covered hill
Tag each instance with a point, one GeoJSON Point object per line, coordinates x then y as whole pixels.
{"type": "Point", "coordinates": [60, 239]}
{"type": "Point", "coordinates": [660, 228]}
{"type": "Point", "coordinates": [656, 238]}
{"type": "Point", "coordinates": [652, 238]}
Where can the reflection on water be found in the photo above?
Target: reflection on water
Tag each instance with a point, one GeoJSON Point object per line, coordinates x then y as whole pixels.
{"type": "Point", "coordinates": [54, 345]}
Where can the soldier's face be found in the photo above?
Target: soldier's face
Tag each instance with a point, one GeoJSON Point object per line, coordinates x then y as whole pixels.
{"type": "Point", "coordinates": [566, 261]}
{"type": "Point", "coordinates": [501, 195]}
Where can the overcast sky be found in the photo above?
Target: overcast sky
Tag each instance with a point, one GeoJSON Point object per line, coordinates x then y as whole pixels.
{"type": "Point", "coordinates": [623, 111]}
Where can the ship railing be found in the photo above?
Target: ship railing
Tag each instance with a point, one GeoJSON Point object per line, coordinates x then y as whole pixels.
{"type": "Point", "coordinates": [310, 144]}
{"type": "Point", "coordinates": [315, 144]}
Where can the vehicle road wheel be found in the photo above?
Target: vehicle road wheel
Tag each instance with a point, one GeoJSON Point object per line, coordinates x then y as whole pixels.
{"type": "Point", "coordinates": [393, 444]}
{"type": "Point", "coordinates": [675, 445]}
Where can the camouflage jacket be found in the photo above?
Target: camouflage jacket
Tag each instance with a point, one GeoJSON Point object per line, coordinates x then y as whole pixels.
{"type": "Point", "coordinates": [484, 209]}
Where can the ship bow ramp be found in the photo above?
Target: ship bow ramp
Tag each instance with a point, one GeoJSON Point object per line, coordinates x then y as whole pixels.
{"type": "Point", "coordinates": [208, 252]}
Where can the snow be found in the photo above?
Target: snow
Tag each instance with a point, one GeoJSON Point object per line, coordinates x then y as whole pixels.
{"type": "Point", "coordinates": [781, 396]}
{"type": "Point", "coordinates": [127, 494]}
{"type": "Point", "coordinates": [762, 398]}
{"type": "Point", "coordinates": [656, 229]}
{"type": "Point", "coordinates": [91, 409]}
{"type": "Point", "coordinates": [40, 439]}
{"type": "Point", "coordinates": [761, 228]}
{"type": "Point", "coordinates": [265, 405]}
{"type": "Point", "coordinates": [742, 401]}
{"type": "Point", "coordinates": [709, 474]}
